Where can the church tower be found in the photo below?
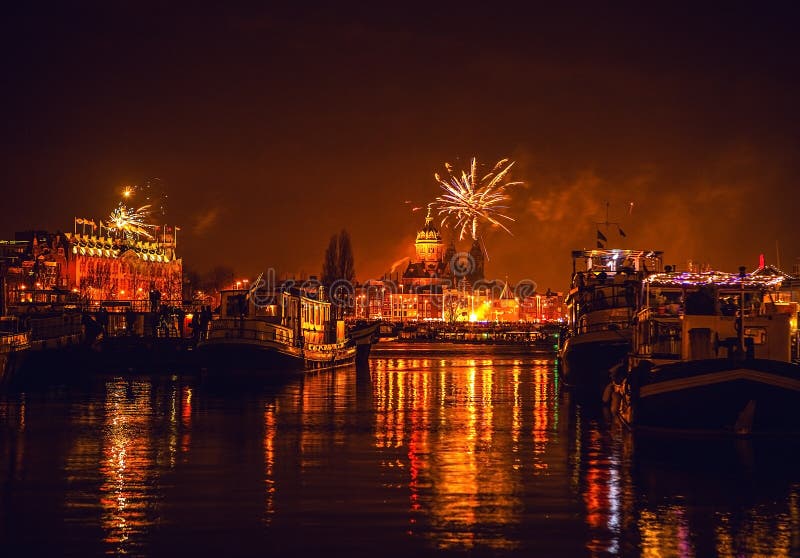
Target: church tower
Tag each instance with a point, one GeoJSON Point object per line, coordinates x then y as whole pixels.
{"type": "Point", "coordinates": [476, 252]}
{"type": "Point", "coordinates": [429, 245]}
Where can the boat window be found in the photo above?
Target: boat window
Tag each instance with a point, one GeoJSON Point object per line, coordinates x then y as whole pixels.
{"type": "Point", "coordinates": [701, 302]}
{"type": "Point", "coordinates": [236, 305]}
{"type": "Point", "coordinates": [666, 302]}
{"type": "Point", "coordinates": [757, 334]}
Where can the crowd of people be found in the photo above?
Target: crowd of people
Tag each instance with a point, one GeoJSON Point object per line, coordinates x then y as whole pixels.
{"type": "Point", "coordinates": [162, 320]}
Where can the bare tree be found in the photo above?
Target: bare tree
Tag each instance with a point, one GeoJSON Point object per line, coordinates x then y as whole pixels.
{"type": "Point", "coordinates": [338, 270]}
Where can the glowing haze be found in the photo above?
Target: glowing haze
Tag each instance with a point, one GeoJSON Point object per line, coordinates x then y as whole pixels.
{"type": "Point", "coordinates": [273, 128]}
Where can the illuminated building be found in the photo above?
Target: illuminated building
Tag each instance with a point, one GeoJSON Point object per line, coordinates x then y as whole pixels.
{"type": "Point", "coordinates": [92, 268]}
{"type": "Point", "coordinates": [442, 284]}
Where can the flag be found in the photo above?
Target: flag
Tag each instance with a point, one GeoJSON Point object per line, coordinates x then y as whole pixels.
{"type": "Point", "coordinates": [621, 232]}
{"type": "Point", "coordinates": [600, 244]}
{"type": "Point", "coordinates": [601, 236]}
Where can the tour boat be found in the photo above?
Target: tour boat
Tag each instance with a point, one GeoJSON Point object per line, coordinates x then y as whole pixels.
{"type": "Point", "coordinates": [712, 351]}
{"type": "Point", "coordinates": [289, 330]}
{"type": "Point", "coordinates": [601, 303]}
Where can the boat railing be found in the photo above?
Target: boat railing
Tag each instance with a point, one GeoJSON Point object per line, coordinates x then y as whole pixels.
{"type": "Point", "coordinates": [232, 328]}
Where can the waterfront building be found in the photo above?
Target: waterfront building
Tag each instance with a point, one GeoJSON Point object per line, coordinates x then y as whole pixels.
{"type": "Point", "coordinates": [90, 268]}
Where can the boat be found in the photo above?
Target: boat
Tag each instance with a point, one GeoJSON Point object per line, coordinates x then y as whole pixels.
{"type": "Point", "coordinates": [14, 345]}
{"type": "Point", "coordinates": [289, 330]}
{"type": "Point", "coordinates": [712, 352]}
{"type": "Point", "coordinates": [56, 339]}
{"type": "Point", "coordinates": [600, 306]}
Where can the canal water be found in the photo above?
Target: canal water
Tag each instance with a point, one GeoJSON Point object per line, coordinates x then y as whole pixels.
{"type": "Point", "coordinates": [431, 450]}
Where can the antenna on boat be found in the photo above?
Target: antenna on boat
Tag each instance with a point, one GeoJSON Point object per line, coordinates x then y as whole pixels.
{"type": "Point", "coordinates": [602, 238]}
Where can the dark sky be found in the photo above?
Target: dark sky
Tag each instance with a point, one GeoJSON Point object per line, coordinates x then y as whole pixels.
{"type": "Point", "coordinates": [272, 128]}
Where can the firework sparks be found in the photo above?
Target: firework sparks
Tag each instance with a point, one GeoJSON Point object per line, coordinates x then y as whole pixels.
{"type": "Point", "coordinates": [131, 222]}
{"type": "Point", "coordinates": [150, 193]}
{"type": "Point", "coordinates": [469, 200]}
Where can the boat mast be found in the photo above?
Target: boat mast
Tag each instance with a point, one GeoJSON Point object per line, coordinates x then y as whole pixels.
{"type": "Point", "coordinates": [742, 276]}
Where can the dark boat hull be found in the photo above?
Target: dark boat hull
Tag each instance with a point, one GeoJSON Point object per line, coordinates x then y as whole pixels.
{"type": "Point", "coordinates": [586, 360]}
{"type": "Point", "coordinates": [717, 396]}
{"type": "Point", "coordinates": [242, 358]}
{"type": "Point", "coordinates": [11, 363]}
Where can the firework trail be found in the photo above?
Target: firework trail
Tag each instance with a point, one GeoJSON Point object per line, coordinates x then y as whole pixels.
{"type": "Point", "coordinates": [469, 201]}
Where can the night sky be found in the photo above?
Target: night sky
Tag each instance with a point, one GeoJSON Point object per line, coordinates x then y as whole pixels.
{"type": "Point", "coordinates": [273, 128]}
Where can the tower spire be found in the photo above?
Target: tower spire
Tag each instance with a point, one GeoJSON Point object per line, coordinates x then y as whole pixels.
{"type": "Point", "coordinates": [429, 217]}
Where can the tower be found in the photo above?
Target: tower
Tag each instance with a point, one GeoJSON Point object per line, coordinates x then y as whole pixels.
{"type": "Point", "coordinates": [429, 244]}
{"type": "Point", "coordinates": [476, 253]}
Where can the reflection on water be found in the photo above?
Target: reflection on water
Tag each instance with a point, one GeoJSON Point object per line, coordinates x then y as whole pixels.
{"type": "Point", "coordinates": [126, 467]}
{"type": "Point", "coordinates": [461, 423]}
{"type": "Point", "coordinates": [421, 453]}
{"type": "Point", "coordinates": [270, 430]}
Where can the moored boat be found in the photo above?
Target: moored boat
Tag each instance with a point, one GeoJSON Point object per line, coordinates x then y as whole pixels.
{"type": "Point", "coordinates": [14, 345]}
{"type": "Point", "coordinates": [45, 341]}
{"type": "Point", "coordinates": [601, 303]}
{"type": "Point", "coordinates": [289, 330]}
{"type": "Point", "coordinates": [712, 352]}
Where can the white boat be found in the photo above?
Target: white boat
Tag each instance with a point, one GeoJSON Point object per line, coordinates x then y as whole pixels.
{"type": "Point", "coordinates": [289, 330]}
{"type": "Point", "coordinates": [712, 351]}
{"type": "Point", "coordinates": [601, 303]}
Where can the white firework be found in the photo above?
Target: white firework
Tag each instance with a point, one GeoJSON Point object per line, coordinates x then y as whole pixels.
{"type": "Point", "coordinates": [131, 222]}
{"type": "Point", "coordinates": [469, 201]}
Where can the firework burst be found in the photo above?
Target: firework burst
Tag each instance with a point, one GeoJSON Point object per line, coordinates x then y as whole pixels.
{"type": "Point", "coordinates": [151, 193]}
{"type": "Point", "coordinates": [468, 201]}
{"type": "Point", "coordinates": [131, 222]}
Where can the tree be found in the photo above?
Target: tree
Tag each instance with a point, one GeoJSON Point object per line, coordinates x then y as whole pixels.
{"type": "Point", "coordinates": [218, 278]}
{"type": "Point", "coordinates": [338, 269]}
{"type": "Point", "coordinates": [338, 263]}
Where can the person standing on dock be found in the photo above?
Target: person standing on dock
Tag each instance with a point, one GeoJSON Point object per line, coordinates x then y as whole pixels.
{"type": "Point", "coordinates": [102, 319]}
{"type": "Point", "coordinates": [194, 324]}
{"type": "Point", "coordinates": [155, 298]}
{"type": "Point", "coordinates": [180, 314]}
{"type": "Point", "coordinates": [205, 321]}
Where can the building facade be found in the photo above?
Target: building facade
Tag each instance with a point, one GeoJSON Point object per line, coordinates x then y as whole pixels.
{"type": "Point", "coordinates": [91, 268]}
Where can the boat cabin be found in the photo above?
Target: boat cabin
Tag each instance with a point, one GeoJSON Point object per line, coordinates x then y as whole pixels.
{"type": "Point", "coordinates": [605, 285]}
{"type": "Point", "coordinates": [293, 316]}
{"type": "Point", "coordinates": [691, 316]}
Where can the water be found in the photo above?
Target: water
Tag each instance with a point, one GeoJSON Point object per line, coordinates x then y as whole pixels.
{"type": "Point", "coordinates": [429, 451]}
